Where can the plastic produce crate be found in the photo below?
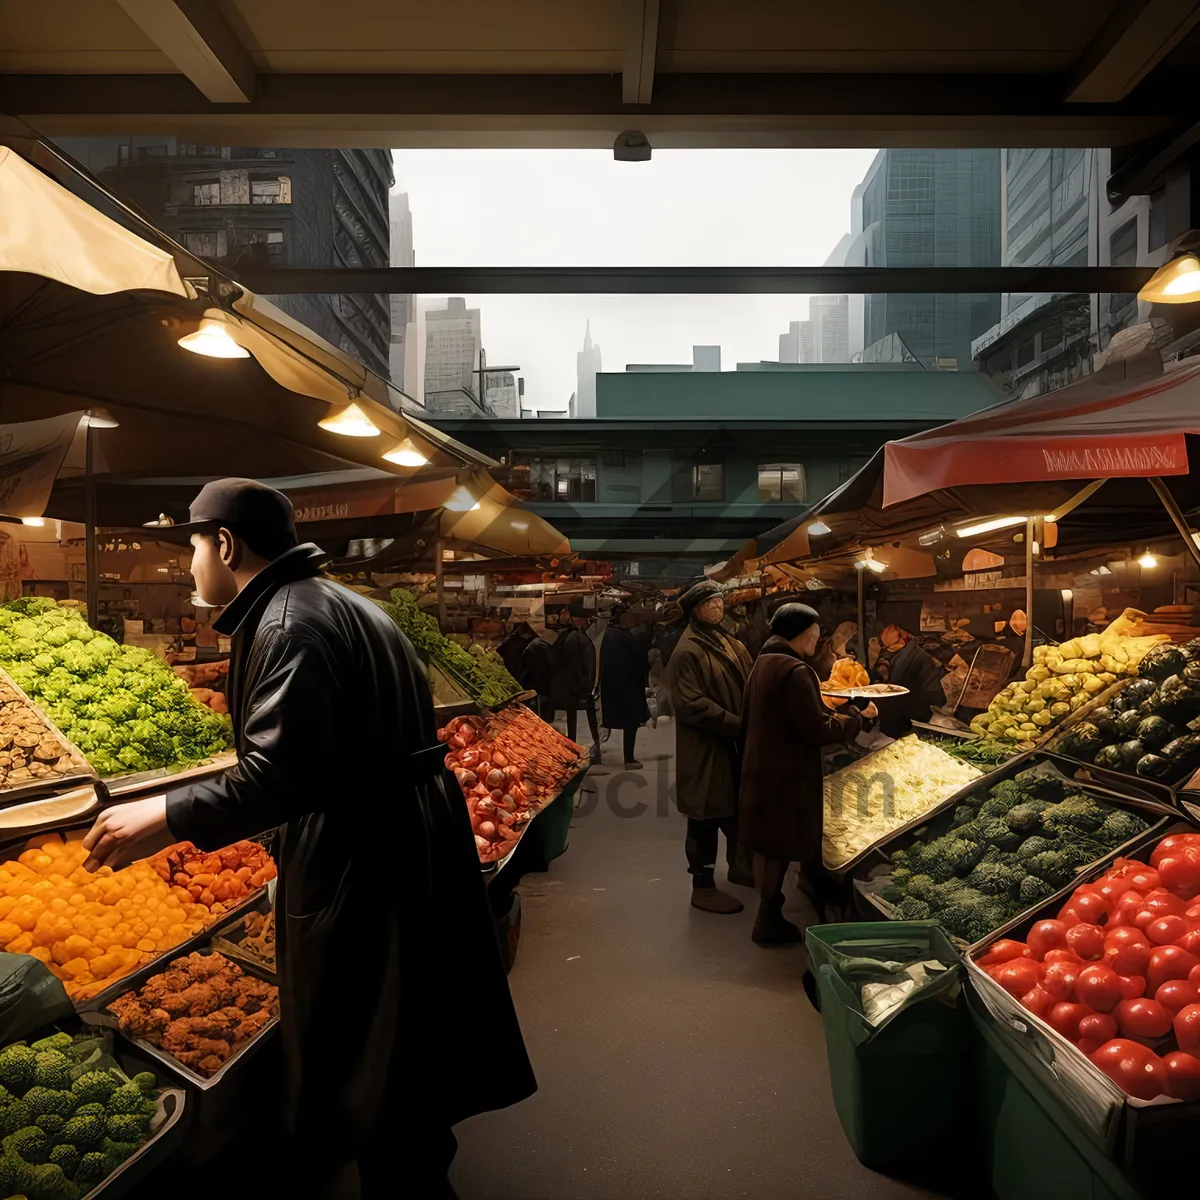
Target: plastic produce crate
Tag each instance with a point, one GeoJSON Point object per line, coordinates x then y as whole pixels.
{"type": "Point", "coordinates": [1138, 1135]}
{"type": "Point", "coordinates": [894, 1082]}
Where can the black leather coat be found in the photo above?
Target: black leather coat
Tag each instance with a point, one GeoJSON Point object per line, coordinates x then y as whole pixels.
{"type": "Point", "coordinates": [386, 948]}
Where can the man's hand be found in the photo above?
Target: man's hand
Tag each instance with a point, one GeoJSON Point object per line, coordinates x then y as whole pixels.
{"type": "Point", "coordinates": [126, 832]}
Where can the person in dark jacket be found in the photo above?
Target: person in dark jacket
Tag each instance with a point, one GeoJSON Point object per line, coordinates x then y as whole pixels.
{"type": "Point", "coordinates": [782, 800]}
{"type": "Point", "coordinates": [386, 948]}
{"type": "Point", "coordinates": [707, 677]}
{"type": "Point", "coordinates": [574, 679]}
{"type": "Point", "coordinates": [904, 663]}
{"type": "Point", "coordinates": [535, 673]}
{"type": "Point", "coordinates": [624, 669]}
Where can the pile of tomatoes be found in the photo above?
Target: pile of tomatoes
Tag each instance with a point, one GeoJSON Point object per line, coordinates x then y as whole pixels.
{"type": "Point", "coordinates": [1118, 971]}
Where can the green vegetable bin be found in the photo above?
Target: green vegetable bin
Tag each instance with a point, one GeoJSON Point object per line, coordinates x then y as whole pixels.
{"type": "Point", "coordinates": [895, 1083]}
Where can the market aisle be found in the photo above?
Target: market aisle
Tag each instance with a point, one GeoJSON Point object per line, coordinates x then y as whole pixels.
{"type": "Point", "coordinates": [675, 1058]}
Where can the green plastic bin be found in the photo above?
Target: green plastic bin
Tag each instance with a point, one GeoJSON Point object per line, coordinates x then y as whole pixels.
{"type": "Point", "coordinates": [907, 1083]}
{"type": "Point", "coordinates": [1031, 1148]}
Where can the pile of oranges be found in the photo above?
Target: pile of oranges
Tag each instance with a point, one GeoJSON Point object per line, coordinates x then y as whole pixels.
{"type": "Point", "coordinates": [90, 929]}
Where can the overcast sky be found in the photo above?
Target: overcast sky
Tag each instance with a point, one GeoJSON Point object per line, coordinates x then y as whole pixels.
{"type": "Point", "coordinates": [580, 208]}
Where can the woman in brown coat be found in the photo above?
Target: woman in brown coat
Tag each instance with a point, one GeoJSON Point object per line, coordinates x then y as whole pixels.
{"type": "Point", "coordinates": [782, 801]}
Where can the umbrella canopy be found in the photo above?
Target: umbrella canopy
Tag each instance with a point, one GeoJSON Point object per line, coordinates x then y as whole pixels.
{"type": "Point", "coordinates": [91, 315]}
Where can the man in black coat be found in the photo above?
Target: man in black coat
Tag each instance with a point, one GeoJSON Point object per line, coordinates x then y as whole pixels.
{"type": "Point", "coordinates": [574, 685]}
{"type": "Point", "coordinates": [624, 670]}
{"type": "Point", "coordinates": [386, 948]}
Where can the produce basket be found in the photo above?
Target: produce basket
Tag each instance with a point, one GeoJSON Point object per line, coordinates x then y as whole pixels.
{"type": "Point", "coordinates": [1136, 1134]}
{"type": "Point", "coordinates": [872, 874]}
{"type": "Point", "coordinates": [168, 1062]}
{"type": "Point", "coordinates": [21, 720]}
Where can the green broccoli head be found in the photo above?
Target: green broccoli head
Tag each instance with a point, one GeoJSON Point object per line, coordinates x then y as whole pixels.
{"type": "Point", "coordinates": [56, 1041]}
{"type": "Point", "coordinates": [50, 1100]}
{"type": "Point", "coordinates": [32, 1144]}
{"type": "Point", "coordinates": [66, 1157]}
{"type": "Point", "coordinates": [17, 1065]}
{"type": "Point", "coordinates": [911, 909]}
{"type": "Point", "coordinates": [115, 1153]}
{"type": "Point", "coordinates": [994, 879]}
{"type": "Point", "coordinates": [921, 887]}
{"type": "Point", "coordinates": [1119, 826]}
{"type": "Point", "coordinates": [52, 1069]}
{"type": "Point", "coordinates": [146, 1081]}
{"type": "Point", "coordinates": [1026, 818]}
{"type": "Point", "coordinates": [15, 1116]}
{"type": "Point", "coordinates": [50, 1124]}
{"type": "Point", "coordinates": [127, 1127]}
{"type": "Point", "coordinates": [128, 1098]}
{"type": "Point", "coordinates": [93, 1167]}
{"type": "Point", "coordinates": [1033, 846]}
{"type": "Point", "coordinates": [83, 1132]}
{"type": "Point", "coordinates": [1051, 865]}
{"type": "Point", "coordinates": [94, 1086]}
{"type": "Point", "coordinates": [1076, 812]}
{"type": "Point", "coordinates": [1034, 889]}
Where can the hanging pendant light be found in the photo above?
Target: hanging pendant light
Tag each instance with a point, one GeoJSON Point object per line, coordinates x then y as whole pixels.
{"type": "Point", "coordinates": [1178, 282]}
{"type": "Point", "coordinates": [350, 421]}
{"type": "Point", "coordinates": [213, 340]}
{"type": "Point", "coordinates": [33, 522]}
{"type": "Point", "coordinates": [461, 500]}
{"type": "Point", "coordinates": [1148, 560]}
{"type": "Point", "coordinates": [405, 454]}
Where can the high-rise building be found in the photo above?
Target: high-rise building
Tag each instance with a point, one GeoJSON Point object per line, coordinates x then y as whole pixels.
{"type": "Point", "coordinates": [706, 358]}
{"type": "Point", "coordinates": [1056, 212]}
{"type": "Point", "coordinates": [452, 345]}
{"type": "Point", "coordinates": [829, 317]}
{"type": "Point", "coordinates": [253, 207]}
{"type": "Point", "coordinates": [404, 355]}
{"type": "Point", "coordinates": [587, 366]}
{"type": "Point", "coordinates": [930, 208]}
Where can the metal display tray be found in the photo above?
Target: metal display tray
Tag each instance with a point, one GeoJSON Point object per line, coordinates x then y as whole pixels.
{"type": "Point", "coordinates": [137, 979]}
{"type": "Point", "coordinates": [494, 868]}
{"type": "Point", "coordinates": [872, 880]}
{"type": "Point", "coordinates": [162, 778]}
{"type": "Point", "coordinates": [229, 943]}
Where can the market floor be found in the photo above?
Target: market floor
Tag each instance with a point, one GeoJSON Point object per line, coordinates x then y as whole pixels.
{"type": "Point", "coordinates": [674, 1057]}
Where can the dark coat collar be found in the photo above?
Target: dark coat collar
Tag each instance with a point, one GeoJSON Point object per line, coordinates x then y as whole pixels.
{"type": "Point", "coordinates": [301, 562]}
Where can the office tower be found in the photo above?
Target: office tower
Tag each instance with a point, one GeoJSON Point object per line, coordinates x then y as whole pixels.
{"type": "Point", "coordinates": [403, 354]}
{"type": "Point", "coordinates": [828, 317]}
{"type": "Point", "coordinates": [452, 345]}
{"type": "Point", "coordinates": [587, 366]}
{"type": "Point", "coordinates": [796, 346]}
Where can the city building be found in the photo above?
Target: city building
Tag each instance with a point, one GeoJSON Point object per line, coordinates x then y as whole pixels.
{"type": "Point", "coordinates": [587, 367]}
{"type": "Point", "coordinates": [663, 480]}
{"type": "Point", "coordinates": [1056, 211]}
{"type": "Point", "coordinates": [250, 206]}
{"type": "Point", "coordinates": [796, 346]}
{"type": "Point", "coordinates": [925, 208]}
{"type": "Point", "coordinates": [502, 395]}
{"type": "Point", "coordinates": [823, 338]}
{"type": "Point", "coordinates": [704, 359]}
{"type": "Point", "coordinates": [452, 357]}
{"type": "Point", "coordinates": [405, 352]}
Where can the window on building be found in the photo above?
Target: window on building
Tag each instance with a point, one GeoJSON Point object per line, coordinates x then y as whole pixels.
{"type": "Point", "coordinates": [207, 243]}
{"type": "Point", "coordinates": [781, 483]}
{"type": "Point", "coordinates": [708, 481]}
{"type": "Point", "coordinates": [565, 479]}
{"type": "Point", "coordinates": [271, 191]}
{"type": "Point", "coordinates": [205, 194]}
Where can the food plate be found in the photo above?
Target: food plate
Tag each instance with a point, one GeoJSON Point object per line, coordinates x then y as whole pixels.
{"type": "Point", "coordinates": [873, 691]}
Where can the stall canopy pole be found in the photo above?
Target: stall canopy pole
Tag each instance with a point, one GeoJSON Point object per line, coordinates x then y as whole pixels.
{"type": "Point", "coordinates": [92, 567]}
{"type": "Point", "coordinates": [1027, 654]}
{"type": "Point", "coordinates": [862, 617]}
{"type": "Point", "coordinates": [439, 583]}
{"type": "Point", "coordinates": [1176, 515]}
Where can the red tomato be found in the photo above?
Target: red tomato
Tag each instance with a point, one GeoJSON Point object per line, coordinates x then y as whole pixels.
{"type": "Point", "coordinates": [1124, 935]}
{"type": "Point", "coordinates": [1166, 930]}
{"type": "Point", "coordinates": [1143, 879]}
{"type": "Point", "coordinates": [1128, 905]}
{"type": "Point", "coordinates": [1180, 871]}
{"type": "Point", "coordinates": [1163, 904]}
{"type": "Point", "coordinates": [1190, 941]}
{"type": "Point", "coordinates": [1187, 1028]}
{"type": "Point", "coordinates": [1129, 960]}
{"type": "Point", "coordinates": [1068, 916]}
{"type": "Point", "coordinates": [1087, 941]}
{"type": "Point", "coordinates": [1133, 1067]}
{"type": "Point", "coordinates": [1142, 1018]}
{"type": "Point", "coordinates": [1003, 951]}
{"type": "Point", "coordinates": [1061, 955]}
{"type": "Point", "coordinates": [1046, 935]}
{"type": "Point", "coordinates": [1018, 976]}
{"type": "Point", "coordinates": [1183, 1075]}
{"type": "Point", "coordinates": [1099, 988]}
{"type": "Point", "coordinates": [1171, 844]}
{"type": "Point", "coordinates": [1132, 986]}
{"type": "Point", "coordinates": [1060, 979]}
{"type": "Point", "coordinates": [1065, 1019]}
{"type": "Point", "coordinates": [1194, 976]}
{"type": "Point", "coordinates": [1193, 913]}
{"type": "Point", "coordinates": [1038, 1001]}
{"type": "Point", "coordinates": [1168, 962]}
{"type": "Point", "coordinates": [1091, 906]}
{"type": "Point", "coordinates": [1176, 994]}
{"type": "Point", "coordinates": [1099, 1027]}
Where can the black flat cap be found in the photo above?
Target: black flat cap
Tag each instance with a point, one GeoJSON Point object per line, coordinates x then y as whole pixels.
{"type": "Point", "coordinates": [241, 505]}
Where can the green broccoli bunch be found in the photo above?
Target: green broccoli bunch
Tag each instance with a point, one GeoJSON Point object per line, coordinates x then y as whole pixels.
{"type": "Point", "coordinates": [995, 879]}
{"type": "Point", "coordinates": [1053, 866]}
{"type": "Point", "coordinates": [1035, 784]}
{"type": "Point", "coordinates": [1025, 818]}
{"type": "Point", "coordinates": [1119, 826]}
{"type": "Point", "coordinates": [1034, 889]}
{"type": "Point", "coordinates": [1077, 813]}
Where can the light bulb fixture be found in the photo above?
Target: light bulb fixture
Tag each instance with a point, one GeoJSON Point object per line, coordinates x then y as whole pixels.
{"type": "Point", "coordinates": [932, 536]}
{"type": "Point", "coordinates": [349, 421]}
{"type": "Point", "coordinates": [101, 418]}
{"type": "Point", "coordinates": [521, 525]}
{"type": "Point", "coordinates": [1148, 561]}
{"type": "Point", "coordinates": [1037, 549]}
{"type": "Point", "coordinates": [33, 522]}
{"type": "Point", "coordinates": [461, 500]}
{"type": "Point", "coordinates": [1177, 282]}
{"type": "Point", "coordinates": [213, 340]}
{"type": "Point", "coordinates": [819, 529]}
{"type": "Point", "coordinates": [873, 564]}
{"type": "Point", "coordinates": [405, 454]}
{"type": "Point", "coordinates": [989, 526]}
{"type": "Point", "coordinates": [861, 565]}
{"type": "Point", "coordinates": [1067, 595]}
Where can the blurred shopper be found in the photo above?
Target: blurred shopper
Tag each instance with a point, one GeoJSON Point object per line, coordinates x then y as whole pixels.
{"type": "Point", "coordinates": [574, 682]}
{"type": "Point", "coordinates": [535, 673]}
{"type": "Point", "coordinates": [624, 667]}
{"type": "Point", "coordinates": [707, 676]}
{"type": "Point", "coordinates": [782, 804]}
{"type": "Point", "coordinates": [902, 661]}
{"type": "Point", "coordinates": [841, 643]}
{"type": "Point", "coordinates": [376, 1068]}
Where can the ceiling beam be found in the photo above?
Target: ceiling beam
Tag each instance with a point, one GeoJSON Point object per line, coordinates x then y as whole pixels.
{"type": "Point", "coordinates": [198, 40]}
{"type": "Point", "coordinates": [687, 110]}
{"type": "Point", "coordinates": [1130, 44]}
{"type": "Point", "coordinates": [640, 51]}
{"type": "Point", "coordinates": [284, 281]}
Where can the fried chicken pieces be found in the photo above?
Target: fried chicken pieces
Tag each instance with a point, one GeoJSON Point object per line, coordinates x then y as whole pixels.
{"type": "Point", "coordinates": [201, 1010]}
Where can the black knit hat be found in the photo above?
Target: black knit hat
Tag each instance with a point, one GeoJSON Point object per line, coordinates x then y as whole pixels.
{"type": "Point", "coordinates": [696, 595]}
{"type": "Point", "coordinates": [791, 620]}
